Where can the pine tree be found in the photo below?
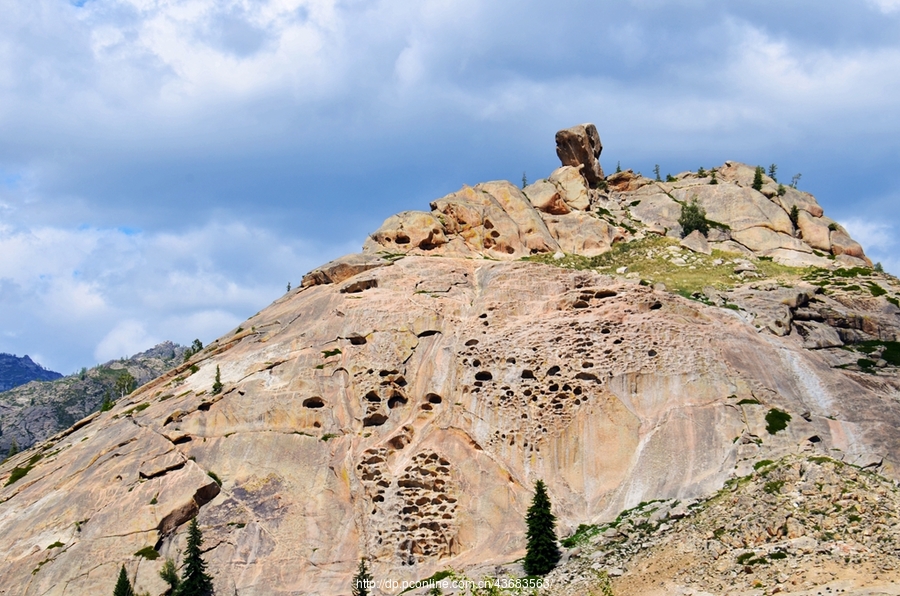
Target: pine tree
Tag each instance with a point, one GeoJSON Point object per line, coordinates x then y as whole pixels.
{"type": "Point", "coordinates": [123, 586]}
{"type": "Point", "coordinates": [217, 385]}
{"type": "Point", "coordinates": [194, 580]}
{"type": "Point", "coordinates": [757, 178]}
{"type": "Point", "coordinates": [362, 581]}
{"type": "Point", "coordinates": [542, 552]}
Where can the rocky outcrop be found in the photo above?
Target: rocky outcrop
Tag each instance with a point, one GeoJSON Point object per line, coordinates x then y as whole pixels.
{"type": "Point", "coordinates": [32, 412]}
{"type": "Point", "coordinates": [804, 524]}
{"type": "Point", "coordinates": [580, 147]}
{"type": "Point", "coordinates": [399, 407]}
{"type": "Point", "coordinates": [15, 371]}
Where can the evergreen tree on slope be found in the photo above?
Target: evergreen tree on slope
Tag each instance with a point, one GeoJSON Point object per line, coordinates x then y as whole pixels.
{"type": "Point", "coordinates": [194, 580]}
{"type": "Point", "coordinates": [542, 552]}
{"type": "Point", "coordinates": [123, 586]}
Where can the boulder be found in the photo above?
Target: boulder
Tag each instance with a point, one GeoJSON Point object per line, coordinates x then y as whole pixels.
{"type": "Point", "coordinates": [481, 222]}
{"type": "Point", "coordinates": [572, 188]}
{"type": "Point", "coordinates": [732, 246]}
{"type": "Point", "coordinates": [802, 200]}
{"type": "Point", "coordinates": [817, 335]}
{"type": "Point", "coordinates": [814, 231]}
{"type": "Point", "coordinates": [626, 181]}
{"type": "Point", "coordinates": [764, 240]}
{"type": "Point", "coordinates": [657, 210]}
{"type": "Point", "coordinates": [580, 146]}
{"type": "Point", "coordinates": [696, 242]}
{"type": "Point", "coordinates": [344, 268]}
{"type": "Point", "coordinates": [533, 232]}
{"type": "Point", "coordinates": [793, 258]}
{"type": "Point", "coordinates": [410, 229]}
{"type": "Point", "coordinates": [583, 234]}
{"type": "Point", "coordinates": [739, 208]}
{"type": "Point", "coordinates": [743, 174]}
{"type": "Point", "coordinates": [843, 244]}
{"type": "Point", "coordinates": [545, 196]}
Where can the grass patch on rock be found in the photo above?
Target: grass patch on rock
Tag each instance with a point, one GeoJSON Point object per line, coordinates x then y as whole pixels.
{"type": "Point", "coordinates": [651, 260]}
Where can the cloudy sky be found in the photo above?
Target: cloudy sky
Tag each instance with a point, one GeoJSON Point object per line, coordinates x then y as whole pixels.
{"type": "Point", "coordinates": [168, 166]}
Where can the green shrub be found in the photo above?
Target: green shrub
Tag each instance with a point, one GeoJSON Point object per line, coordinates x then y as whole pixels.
{"type": "Point", "coordinates": [794, 215]}
{"type": "Point", "coordinates": [776, 420]}
{"type": "Point", "coordinates": [865, 363]}
{"type": "Point", "coordinates": [773, 487]}
{"type": "Point", "coordinates": [148, 552]}
{"type": "Point", "coordinates": [213, 475]}
{"type": "Point", "coordinates": [891, 352]}
{"type": "Point", "coordinates": [701, 172]}
{"type": "Point", "coordinates": [693, 217]}
{"type": "Point", "coordinates": [713, 179]}
{"type": "Point", "coordinates": [876, 289]}
{"type": "Point", "coordinates": [772, 170]}
{"type": "Point", "coordinates": [781, 190]}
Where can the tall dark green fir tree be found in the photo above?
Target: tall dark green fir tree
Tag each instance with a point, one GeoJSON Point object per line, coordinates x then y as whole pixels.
{"type": "Point", "coordinates": [194, 580]}
{"type": "Point", "coordinates": [123, 586]}
{"type": "Point", "coordinates": [542, 551]}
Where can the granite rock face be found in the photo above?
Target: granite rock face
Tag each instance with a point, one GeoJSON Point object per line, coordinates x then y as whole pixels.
{"type": "Point", "coordinates": [404, 413]}
{"type": "Point", "coordinates": [399, 407]}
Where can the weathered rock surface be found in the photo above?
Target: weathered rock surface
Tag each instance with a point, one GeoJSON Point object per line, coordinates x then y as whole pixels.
{"type": "Point", "coordinates": [406, 418]}
{"type": "Point", "coordinates": [580, 146]}
{"type": "Point", "coordinates": [399, 407]}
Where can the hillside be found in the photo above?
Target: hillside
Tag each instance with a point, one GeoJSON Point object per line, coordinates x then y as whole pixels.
{"type": "Point", "coordinates": [32, 412]}
{"type": "Point", "coordinates": [401, 403]}
{"type": "Point", "coordinates": [15, 371]}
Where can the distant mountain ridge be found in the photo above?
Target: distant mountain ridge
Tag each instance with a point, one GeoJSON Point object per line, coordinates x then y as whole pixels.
{"type": "Point", "coordinates": [18, 370]}
{"type": "Point", "coordinates": [35, 410]}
